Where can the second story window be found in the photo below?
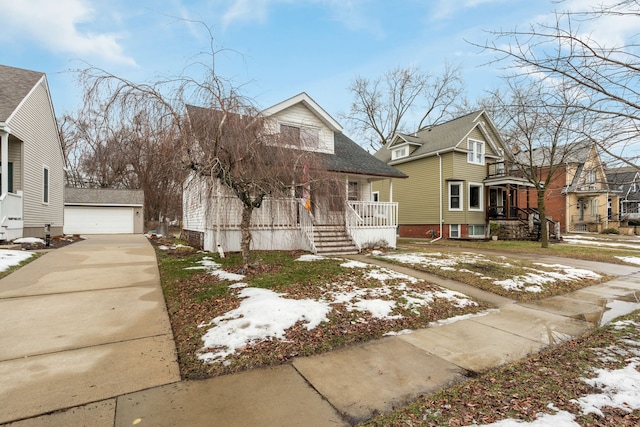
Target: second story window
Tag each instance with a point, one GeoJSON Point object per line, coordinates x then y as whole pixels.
{"type": "Point", "coordinates": [303, 137]}
{"type": "Point", "coordinates": [476, 152]}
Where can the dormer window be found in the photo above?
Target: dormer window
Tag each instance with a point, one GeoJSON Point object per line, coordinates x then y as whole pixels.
{"type": "Point", "coordinates": [399, 153]}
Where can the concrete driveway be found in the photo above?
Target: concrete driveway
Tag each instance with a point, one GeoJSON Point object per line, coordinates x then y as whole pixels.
{"type": "Point", "coordinates": [82, 324]}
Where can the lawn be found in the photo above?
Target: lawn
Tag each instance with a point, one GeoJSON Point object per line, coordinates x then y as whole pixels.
{"type": "Point", "coordinates": [591, 381]}
{"type": "Point", "coordinates": [601, 249]}
{"type": "Point", "coordinates": [512, 278]}
{"type": "Point", "coordinates": [289, 305]}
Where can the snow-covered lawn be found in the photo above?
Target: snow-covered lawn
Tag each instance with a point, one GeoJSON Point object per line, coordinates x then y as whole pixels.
{"type": "Point", "coordinates": [517, 277]}
{"type": "Point", "coordinates": [374, 294]}
{"type": "Point", "coordinates": [614, 388]}
{"type": "Point", "coordinates": [10, 258]}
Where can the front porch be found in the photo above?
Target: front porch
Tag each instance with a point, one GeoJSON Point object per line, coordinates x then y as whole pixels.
{"type": "Point", "coordinates": [507, 202]}
{"type": "Point", "coordinates": [11, 211]}
{"type": "Point", "coordinates": [287, 224]}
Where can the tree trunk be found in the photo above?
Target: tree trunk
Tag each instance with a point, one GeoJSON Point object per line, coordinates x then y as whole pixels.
{"type": "Point", "coordinates": [245, 229]}
{"type": "Point", "coordinates": [544, 231]}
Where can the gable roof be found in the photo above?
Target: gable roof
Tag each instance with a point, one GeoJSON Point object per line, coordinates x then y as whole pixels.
{"type": "Point", "coordinates": [437, 139]}
{"type": "Point", "coordinates": [576, 152]}
{"type": "Point", "coordinates": [348, 156]}
{"type": "Point", "coordinates": [307, 101]}
{"type": "Point", "coordinates": [622, 180]}
{"type": "Point", "coordinates": [15, 85]}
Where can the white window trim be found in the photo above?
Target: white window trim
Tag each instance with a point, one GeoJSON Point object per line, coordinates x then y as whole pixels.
{"type": "Point", "coordinates": [48, 187]}
{"type": "Point", "coordinates": [476, 184]}
{"type": "Point", "coordinates": [460, 184]}
{"type": "Point", "coordinates": [450, 231]}
{"type": "Point", "coordinates": [400, 152]}
{"type": "Point", "coordinates": [475, 142]}
{"type": "Point", "coordinates": [477, 236]}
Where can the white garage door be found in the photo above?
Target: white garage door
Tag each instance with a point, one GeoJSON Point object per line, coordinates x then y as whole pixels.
{"type": "Point", "coordinates": [98, 220]}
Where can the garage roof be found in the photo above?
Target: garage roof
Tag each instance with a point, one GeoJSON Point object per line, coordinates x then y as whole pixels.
{"type": "Point", "coordinates": [103, 197]}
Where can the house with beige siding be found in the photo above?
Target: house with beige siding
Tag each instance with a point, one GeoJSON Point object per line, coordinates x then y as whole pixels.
{"type": "Point", "coordinates": [31, 157]}
{"type": "Point", "coordinates": [457, 182]}
{"type": "Point", "coordinates": [323, 221]}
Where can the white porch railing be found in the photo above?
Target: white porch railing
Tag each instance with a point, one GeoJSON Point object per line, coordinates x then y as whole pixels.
{"type": "Point", "coordinates": [274, 213]}
{"type": "Point", "coordinates": [372, 214]}
{"type": "Point", "coordinates": [11, 207]}
{"type": "Point", "coordinates": [306, 223]}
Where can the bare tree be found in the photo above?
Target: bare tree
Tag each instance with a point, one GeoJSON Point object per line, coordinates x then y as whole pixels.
{"type": "Point", "coordinates": [400, 99]}
{"type": "Point", "coordinates": [608, 76]}
{"type": "Point", "coordinates": [543, 129]}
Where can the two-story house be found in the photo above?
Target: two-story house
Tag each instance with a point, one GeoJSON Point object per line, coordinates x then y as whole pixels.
{"type": "Point", "coordinates": [300, 222]}
{"type": "Point", "coordinates": [449, 192]}
{"type": "Point", "coordinates": [32, 161]}
{"type": "Point", "coordinates": [626, 182]}
{"type": "Point", "coordinates": [578, 195]}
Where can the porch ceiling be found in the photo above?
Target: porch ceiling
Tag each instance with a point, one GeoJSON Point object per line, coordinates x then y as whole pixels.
{"type": "Point", "coordinates": [489, 182]}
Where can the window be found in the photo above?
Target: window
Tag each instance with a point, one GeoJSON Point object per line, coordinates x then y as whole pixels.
{"type": "Point", "coordinates": [290, 134]}
{"type": "Point", "coordinates": [375, 196]}
{"type": "Point", "coordinates": [476, 230]}
{"type": "Point", "coordinates": [594, 207]}
{"type": "Point", "coordinates": [45, 184]}
{"type": "Point", "coordinates": [591, 176]}
{"type": "Point", "coordinates": [399, 153]}
{"type": "Point", "coordinates": [454, 231]}
{"type": "Point", "coordinates": [455, 196]}
{"type": "Point", "coordinates": [10, 170]}
{"type": "Point", "coordinates": [475, 197]}
{"type": "Point", "coordinates": [303, 137]}
{"type": "Point", "coordinates": [476, 152]}
{"type": "Point", "coordinates": [353, 194]}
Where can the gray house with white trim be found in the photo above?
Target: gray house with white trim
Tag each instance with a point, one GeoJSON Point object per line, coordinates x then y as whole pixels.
{"type": "Point", "coordinates": [31, 157]}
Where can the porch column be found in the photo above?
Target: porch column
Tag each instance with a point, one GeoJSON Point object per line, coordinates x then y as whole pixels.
{"type": "Point", "coordinates": [391, 189]}
{"type": "Point", "coordinates": [4, 157]}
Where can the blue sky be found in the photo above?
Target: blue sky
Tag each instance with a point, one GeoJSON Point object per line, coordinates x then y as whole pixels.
{"type": "Point", "coordinates": [275, 48]}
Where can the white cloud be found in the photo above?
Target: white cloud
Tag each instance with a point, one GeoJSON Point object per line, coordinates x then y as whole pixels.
{"type": "Point", "coordinates": [55, 26]}
{"type": "Point", "coordinates": [447, 8]}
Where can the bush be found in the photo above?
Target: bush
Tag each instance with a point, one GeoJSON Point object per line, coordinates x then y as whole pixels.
{"type": "Point", "coordinates": [610, 231]}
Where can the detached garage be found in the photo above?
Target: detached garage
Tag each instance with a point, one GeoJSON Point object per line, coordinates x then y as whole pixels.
{"type": "Point", "coordinates": [103, 211]}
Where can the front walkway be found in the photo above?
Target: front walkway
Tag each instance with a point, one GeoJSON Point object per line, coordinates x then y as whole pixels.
{"type": "Point", "coordinates": [354, 384]}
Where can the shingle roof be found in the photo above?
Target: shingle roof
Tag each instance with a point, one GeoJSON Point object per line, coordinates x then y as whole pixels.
{"type": "Point", "coordinates": [103, 196]}
{"type": "Point", "coordinates": [621, 179]}
{"type": "Point", "coordinates": [437, 138]}
{"type": "Point", "coordinates": [577, 152]}
{"type": "Point", "coordinates": [349, 157]}
{"type": "Point", "coordinates": [15, 85]}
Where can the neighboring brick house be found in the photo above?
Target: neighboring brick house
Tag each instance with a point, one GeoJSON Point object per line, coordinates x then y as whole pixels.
{"type": "Point", "coordinates": [578, 195]}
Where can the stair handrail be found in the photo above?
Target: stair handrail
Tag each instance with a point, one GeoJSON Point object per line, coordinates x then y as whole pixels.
{"type": "Point", "coordinates": [351, 220]}
{"type": "Point", "coordinates": [306, 224]}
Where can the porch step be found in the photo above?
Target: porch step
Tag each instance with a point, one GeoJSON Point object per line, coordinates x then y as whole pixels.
{"type": "Point", "coordinates": [333, 240]}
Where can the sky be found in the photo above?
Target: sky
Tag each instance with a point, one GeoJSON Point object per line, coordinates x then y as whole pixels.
{"type": "Point", "coordinates": [272, 49]}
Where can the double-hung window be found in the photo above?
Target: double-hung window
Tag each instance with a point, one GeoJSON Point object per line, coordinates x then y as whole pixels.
{"type": "Point", "coordinates": [454, 231]}
{"type": "Point", "coordinates": [475, 152]}
{"type": "Point", "coordinates": [455, 196]}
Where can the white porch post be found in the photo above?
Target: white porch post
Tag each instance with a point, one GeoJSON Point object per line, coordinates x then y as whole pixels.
{"type": "Point", "coordinates": [391, 189]}
{"type": "Point", "coordinates": [4, 157]}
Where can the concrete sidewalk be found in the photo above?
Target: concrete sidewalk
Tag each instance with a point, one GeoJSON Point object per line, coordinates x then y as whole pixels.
{"type": "Point", "coordinates": [82, 324]}
{"type": "Point", "coordinates": [356, 383]}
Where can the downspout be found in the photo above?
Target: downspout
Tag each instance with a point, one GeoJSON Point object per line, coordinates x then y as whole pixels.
{"type": "Point", "coordinates": [440, 184]}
